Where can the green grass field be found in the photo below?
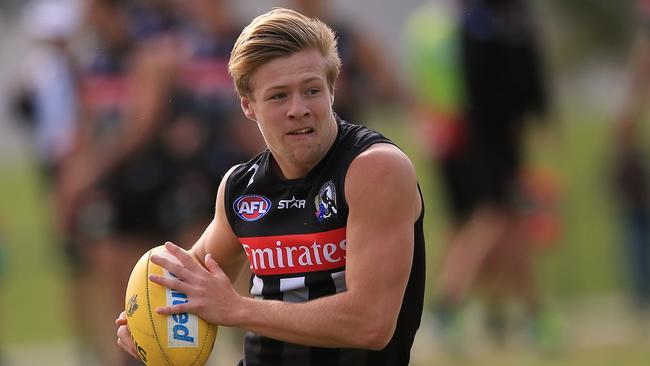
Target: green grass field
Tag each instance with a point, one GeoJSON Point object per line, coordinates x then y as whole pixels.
{"type": "Point", "coordinates": [585, 264]}
{"type": "Point", "coordinates": [34, 294]}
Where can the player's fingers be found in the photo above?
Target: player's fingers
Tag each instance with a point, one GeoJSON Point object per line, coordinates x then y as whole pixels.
{"type": "Point", "coordinates": [176, 268]}
{"type": "Point", "coordinates": [129, 350]}
{"type": "Point", "coordinates": [176, 309]}
{"type": "Point", "coordinates": [180, 254]}
{"type": "Point", "coordinates": [123, 332]}
{"type": "Point", "coordinates": [212, 265]}
{"type": "Point", "coordinates": [121, 319]}
{"type": "Point", "coordinates": [124, 341]}
{"type": "Point", "coordinates": [172, 283]}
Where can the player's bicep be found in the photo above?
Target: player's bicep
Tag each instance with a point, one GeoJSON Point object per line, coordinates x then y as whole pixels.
{"type": "Point", "coordinates": [381, 191]}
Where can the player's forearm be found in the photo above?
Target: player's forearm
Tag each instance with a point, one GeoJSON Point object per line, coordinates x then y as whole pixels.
{"type": "Point", "coordinates": [232, 267]}
{"type": "Point", "coordinates": [342, 320]}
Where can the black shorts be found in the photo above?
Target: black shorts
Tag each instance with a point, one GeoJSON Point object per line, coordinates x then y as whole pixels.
{"type": "Point", "coordinates": [486, 172]}
{"type": "Point", "coordinates": [494, 164]}
{"type": "Point", "coordinates": [503, 85]}
{"type": "Point", "coordinates": [136, 189]}
{"type": "Point", "coordinates": [455, 175]}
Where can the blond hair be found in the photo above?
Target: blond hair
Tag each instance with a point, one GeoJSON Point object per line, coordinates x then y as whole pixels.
{"type": "Point", "coordinates": [280, 33]}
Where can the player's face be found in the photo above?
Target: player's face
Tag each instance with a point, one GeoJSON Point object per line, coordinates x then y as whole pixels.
{"type": "Point", "coordinates": [292, 104]}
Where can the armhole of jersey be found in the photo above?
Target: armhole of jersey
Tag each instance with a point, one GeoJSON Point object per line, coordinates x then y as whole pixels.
{"type": "Point", "coordinates": [421, 216]}
{"type": "Point", "coordinates": [226, 194]}
{"type": "Point", "coordinates": [379, 140]}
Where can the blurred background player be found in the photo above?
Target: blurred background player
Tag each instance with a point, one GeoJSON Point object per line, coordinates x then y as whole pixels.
{"type": "Point", "coordinates": [205, 131]}
{"type": "Point", "coordinates": [46, 101]}
{"type": "Point", "coordinates": [475, 84]}
{"type": "Point", "coordinates": [89, 197]}
{"type": "Point", "coordinates": [157, 135]}
{"type": "Point", "coordinates": [46, 92]}
{"type": "Point", "coordinates": [366, 80]}
{"type": "Point", "coordinates": [631, 173]}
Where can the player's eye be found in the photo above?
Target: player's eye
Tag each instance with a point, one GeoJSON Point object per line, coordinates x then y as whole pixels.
{"type": "Point", "coordinates": [277, 96]}
{"type": "Point", "coordinates": [313, 91]}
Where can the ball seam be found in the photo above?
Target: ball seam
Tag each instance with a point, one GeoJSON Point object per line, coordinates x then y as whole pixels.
{"type": "Point", "coordinates": [205, 340]}
{"type": "Point", "coordinates": [153, 324]}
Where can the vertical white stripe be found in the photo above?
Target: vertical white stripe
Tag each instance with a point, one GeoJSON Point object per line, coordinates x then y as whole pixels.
{"type": "Point", "coordinates": [293, 289]}
{"type": "Point", "coordinates": [291, 283]}
{"type": "Point", "coordinates": [258, 284]}
{"type": "Point", "coordinates": [339, 281]}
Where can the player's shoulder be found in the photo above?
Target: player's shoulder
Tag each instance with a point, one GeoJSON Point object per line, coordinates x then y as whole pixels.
{"type": "Point", "coordinates": [243, 171]}
{"type": "Point", "coordinates": [383, 178]}
{"type": "Point", "coordinates": [384, 153]}
{"type": "Point", "coordinates": [381, 162]}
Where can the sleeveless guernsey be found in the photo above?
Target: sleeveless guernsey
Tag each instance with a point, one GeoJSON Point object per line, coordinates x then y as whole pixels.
{"type": "Point", "coordinates": [293, 232]}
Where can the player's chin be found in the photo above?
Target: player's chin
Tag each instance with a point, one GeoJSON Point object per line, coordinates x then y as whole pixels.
{"type": "Point", "coordinates": [306, 154]}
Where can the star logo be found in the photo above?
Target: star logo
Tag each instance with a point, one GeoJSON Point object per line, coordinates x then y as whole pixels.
{"type": "Point", "coordinates": [292, 203]}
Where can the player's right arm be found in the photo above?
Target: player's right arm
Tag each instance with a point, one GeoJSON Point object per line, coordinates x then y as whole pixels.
{"type": "Point", "coordinates": [220, 241]}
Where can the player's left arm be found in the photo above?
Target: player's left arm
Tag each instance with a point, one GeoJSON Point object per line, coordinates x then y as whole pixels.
{"type": "Point", "coordinates": [384, 204]}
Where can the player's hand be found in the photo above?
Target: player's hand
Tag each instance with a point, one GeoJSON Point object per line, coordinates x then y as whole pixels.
{"type": "Point", "coordinates": [210, 294]}
{"type": "Point", "coordinates": [124, 336]}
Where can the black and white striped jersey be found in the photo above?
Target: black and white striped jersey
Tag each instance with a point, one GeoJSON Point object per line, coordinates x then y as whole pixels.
{"type": "Point", "coordinates": [293, 232]}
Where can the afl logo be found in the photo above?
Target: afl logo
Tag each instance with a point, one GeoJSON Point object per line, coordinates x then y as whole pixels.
{"type": "Point", "coordinates": [251, 207]}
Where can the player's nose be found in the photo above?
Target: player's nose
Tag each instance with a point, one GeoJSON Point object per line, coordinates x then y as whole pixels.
{"type": "Point", "coordinates": [297, 108]}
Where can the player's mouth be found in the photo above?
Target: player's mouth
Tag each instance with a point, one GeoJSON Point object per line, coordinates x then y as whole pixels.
{"type": "Point", "coordinates": [302, 131]}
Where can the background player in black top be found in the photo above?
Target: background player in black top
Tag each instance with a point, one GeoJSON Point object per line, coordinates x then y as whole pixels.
{"type": "Point", "coordinates": [478, 83]}
{"type": "Point", "coordinates": [631, 167]}
{"type": "Point", "coordinates": [285, 66]}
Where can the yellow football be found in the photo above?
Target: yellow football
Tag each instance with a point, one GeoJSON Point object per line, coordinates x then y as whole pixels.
{"type": "Point", "coordinates": [169, 340]}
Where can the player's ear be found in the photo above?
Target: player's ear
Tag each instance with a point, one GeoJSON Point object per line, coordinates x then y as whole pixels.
{"type": "Point", "coordinates": [247, 108]}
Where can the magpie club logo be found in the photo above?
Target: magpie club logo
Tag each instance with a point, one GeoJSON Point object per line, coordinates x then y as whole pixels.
{"type": "Point", "coordinates": [325, 202]}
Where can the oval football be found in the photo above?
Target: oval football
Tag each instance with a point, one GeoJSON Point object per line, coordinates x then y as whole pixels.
{"type": "Point", "coordinates": [171, 340]}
